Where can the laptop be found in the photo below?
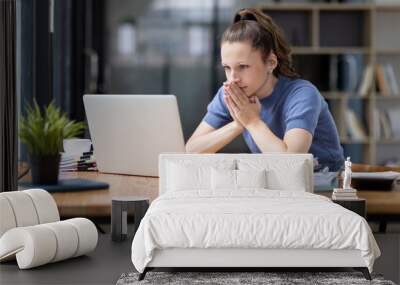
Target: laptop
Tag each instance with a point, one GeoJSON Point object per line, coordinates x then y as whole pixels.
{"type": "Point", "coordinates": [130, 131]}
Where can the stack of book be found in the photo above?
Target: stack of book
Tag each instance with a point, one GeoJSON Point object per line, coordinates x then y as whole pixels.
{"type": "Point", "coordinates": [71, 163]}
{"type": "Point", "coordinates": [386, 81]}
{"type": "Point", "coordinates": [355, 128]}
{"type": "Point", "coordinates": [386, 123]}
{"type": "Point", "coordinates": [347, 194]}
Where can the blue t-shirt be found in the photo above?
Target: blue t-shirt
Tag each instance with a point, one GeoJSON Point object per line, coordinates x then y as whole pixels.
{"type": "Point", "coordinates": [294, 103]}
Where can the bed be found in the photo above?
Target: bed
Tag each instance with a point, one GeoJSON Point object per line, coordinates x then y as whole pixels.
{"type": "Point", "coordinates": [245, 211]}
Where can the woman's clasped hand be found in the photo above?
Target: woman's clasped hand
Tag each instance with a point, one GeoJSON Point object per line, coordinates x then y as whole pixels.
{"type": "Point", "coordinates": [243, 109]}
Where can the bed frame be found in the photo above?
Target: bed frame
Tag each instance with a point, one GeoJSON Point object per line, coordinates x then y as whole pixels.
{"type": "Point", "coordinates": [242, 259]}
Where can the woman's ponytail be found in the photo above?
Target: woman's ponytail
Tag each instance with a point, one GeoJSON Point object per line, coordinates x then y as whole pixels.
{"type": "Point", "coordinates": [259, 29]}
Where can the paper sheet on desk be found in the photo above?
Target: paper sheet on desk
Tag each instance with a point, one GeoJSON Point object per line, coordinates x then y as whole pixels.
{"type": "Point", "coordinates": [389, 175]}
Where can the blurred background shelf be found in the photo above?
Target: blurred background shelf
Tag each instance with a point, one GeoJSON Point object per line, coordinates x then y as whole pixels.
{"type": "Point", "coordinates": [357, 69]}
{"type": "Point", "coordinates": [388, 141]}
{"type": "Point", "coordinates": [338, 95]}
{"type": "Point", "coordinates": [330, 50]}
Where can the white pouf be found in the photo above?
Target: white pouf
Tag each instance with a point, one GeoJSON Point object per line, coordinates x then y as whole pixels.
{"type": "Point", "coordinates": [31, 230]}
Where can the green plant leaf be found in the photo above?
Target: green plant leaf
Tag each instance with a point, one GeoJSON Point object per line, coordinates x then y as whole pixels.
{"type": "Point", "coordinates": [43, 132]}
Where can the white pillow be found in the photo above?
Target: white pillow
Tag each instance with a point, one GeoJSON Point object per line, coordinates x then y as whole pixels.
{"type": "Point", "coordinates": [223, 179]}
{"type": "Point", "coordinates": [251, 178]}
{"type": "Point", "coordinates": [188, 175]}
{"type": "Point", "coordinates": [297, 181]}
{"type": "Point", "coordinates": [282, 174]}
{"type": "Point", "coordinates": [237, 179]}
{"type": "Point", "coordinates": [182, 178]}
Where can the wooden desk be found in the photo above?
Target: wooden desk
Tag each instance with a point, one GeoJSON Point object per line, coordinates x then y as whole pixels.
{"type": "Point", "coordinates": [382, 206]}
{"type": "Point", "coordinates": [97, 203]}
{"type": "Point", "coordinates": [378, 202]}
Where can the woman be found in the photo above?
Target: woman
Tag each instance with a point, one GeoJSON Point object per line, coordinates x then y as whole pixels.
{"type": "Point", "coordinates": [264, 100]}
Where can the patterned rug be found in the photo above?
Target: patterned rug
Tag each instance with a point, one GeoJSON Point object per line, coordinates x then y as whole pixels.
{"type": "Point", "coordinates": [230, 278]}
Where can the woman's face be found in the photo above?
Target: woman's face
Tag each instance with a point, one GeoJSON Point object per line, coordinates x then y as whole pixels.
{"type": "Point", "coordinates": [245, 66]}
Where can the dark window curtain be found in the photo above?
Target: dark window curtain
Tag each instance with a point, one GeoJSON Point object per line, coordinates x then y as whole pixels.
{"type": "Point", "coordinates": [62, 49]}
{"type": "Point", "coordinates": [34, 80]}
{"type": "Point", "coordinates": [8, 98]}
{"type": "Point", "coordinates": [78, 53]}
{"type": "Point", "coordinates": [78, 31]}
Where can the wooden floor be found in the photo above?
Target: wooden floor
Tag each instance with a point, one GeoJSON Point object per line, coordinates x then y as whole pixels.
{"type": "Point", "coordinates": [103, 266]}
{"type": "Point", "coordinates": [106, 264]}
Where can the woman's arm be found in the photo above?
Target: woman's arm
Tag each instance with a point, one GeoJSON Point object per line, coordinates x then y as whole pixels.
{"type": "Point", "coordinates": [295, 140]}
{"type": "Point", "coordinates": [207, 139]}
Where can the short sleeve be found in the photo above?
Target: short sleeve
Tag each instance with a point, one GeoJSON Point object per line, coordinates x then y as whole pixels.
{"type": "Point", "coordinates": [217, 111]}
{"type": "Point", "coordinates": [303, 109]}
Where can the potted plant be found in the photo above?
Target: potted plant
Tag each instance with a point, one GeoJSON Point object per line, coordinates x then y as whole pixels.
{"type": "Point", "coordinates": [43, 133]}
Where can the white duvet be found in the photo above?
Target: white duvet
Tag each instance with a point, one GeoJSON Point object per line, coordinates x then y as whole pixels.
{"type": "Point", "coordinates": [250, 219]}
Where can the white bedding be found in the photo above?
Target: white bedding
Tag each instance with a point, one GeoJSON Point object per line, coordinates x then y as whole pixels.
{"type": "Point", "coordinates": [250, 219]}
